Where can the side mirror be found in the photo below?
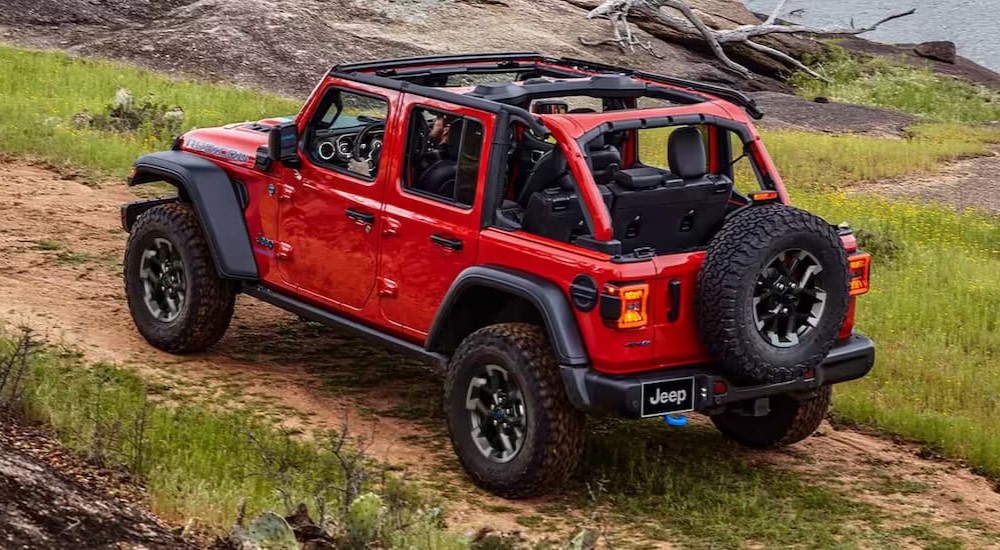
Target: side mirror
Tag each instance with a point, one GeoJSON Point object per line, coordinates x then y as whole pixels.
{"type": "Point", "coordinates": [283, 144]}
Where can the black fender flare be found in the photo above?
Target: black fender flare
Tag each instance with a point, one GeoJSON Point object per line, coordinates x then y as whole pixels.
{"type": "Point", "coordinates": [546, 296]}
{"type": "Point", "coordinates": [215, 199]}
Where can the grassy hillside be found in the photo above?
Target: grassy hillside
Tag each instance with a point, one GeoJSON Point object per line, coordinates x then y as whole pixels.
{"type": "Point", "coordinates": [883, 82]}
{"type": "Point", "coordinates": [42, 93]}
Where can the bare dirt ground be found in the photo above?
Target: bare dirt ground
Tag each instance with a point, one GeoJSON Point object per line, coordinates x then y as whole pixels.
{"type": "Point", "coordinates": [60, 244]}
{"type": "Point", "coordinates": [968, 183]}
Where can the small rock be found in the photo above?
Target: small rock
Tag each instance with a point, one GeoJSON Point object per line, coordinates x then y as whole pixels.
{"type": "Point", "coordinates": [821, 99]}
{"type": "Point", "coordinates": [942, 50]}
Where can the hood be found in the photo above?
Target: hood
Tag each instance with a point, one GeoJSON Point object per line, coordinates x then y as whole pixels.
{"type": "Point", "coordinates": [232, 143]}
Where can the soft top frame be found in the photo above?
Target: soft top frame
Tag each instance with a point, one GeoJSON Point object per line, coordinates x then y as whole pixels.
{"type": "Point", "coordinates": [418, 69]}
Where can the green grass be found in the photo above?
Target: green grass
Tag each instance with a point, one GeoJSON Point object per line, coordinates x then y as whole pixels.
{"type": "Point", "coordinates": [892, 84]}
{"type": "Point", "coordinates": [822, 161]}
{"type": "Point", "coordinates": [933, 314]}
{"type": "Point", "coordinates": [690, 484]}
{"type": "Point", "coordinates": [199, 462]}
{"type": "Point", "coordinates": [41, 92]}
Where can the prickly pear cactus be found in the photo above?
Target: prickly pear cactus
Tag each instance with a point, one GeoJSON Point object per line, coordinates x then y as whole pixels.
{"type": "Point", "coordinates": [364, 519]}
{"type": "Point", "coordinates": [270, 532]}
{"type": "Point", "coordinates": [585, 539]}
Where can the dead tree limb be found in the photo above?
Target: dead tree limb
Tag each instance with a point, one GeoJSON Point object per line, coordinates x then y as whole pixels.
{"type": "Point", "coordinates": [692, 26]}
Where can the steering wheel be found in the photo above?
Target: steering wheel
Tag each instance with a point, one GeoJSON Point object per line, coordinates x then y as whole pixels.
{"type": "Point", "coordinates": [423, 138]}
{"type": "Point", "coordinates": [362, 139]}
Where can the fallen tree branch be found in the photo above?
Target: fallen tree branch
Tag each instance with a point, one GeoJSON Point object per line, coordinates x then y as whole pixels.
{"type": "Point", "coordinates": [692, 26]}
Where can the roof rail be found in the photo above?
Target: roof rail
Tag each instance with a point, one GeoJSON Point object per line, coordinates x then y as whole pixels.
{"type": "Point", "coordinates": [729, 94]}
{"type": "Point", "coordinates": [401, 62]}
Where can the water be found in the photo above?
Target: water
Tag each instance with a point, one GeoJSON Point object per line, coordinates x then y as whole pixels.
{"type": "Point", "coordinates": [970, 24]}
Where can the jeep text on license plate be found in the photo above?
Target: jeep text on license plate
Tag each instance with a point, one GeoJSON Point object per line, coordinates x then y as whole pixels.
{"type": "Point", "coordinates": [667, 396]}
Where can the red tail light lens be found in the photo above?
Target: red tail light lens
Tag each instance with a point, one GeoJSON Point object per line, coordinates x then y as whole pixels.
{"type": "Point", "coordinates": [626, 306]}
{"type": "Point", "coordinates": [859, 268]}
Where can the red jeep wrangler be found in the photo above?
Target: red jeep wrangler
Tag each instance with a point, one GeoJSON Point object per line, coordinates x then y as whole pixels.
{"type": "Point", "coordinates": [564, 237]}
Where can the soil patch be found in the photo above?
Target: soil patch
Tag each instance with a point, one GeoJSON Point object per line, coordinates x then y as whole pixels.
{"type": "Point", "coordinates": [968, 183]}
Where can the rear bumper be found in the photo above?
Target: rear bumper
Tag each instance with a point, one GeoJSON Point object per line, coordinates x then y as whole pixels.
{"type": "Point", "coordinates": [593, 391]}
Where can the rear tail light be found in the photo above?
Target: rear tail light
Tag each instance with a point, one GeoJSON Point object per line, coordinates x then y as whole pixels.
{"type": "Point", "coordinates": [625, 306]}
{"type": "Point", "coordinates": [763, 196]}
{"type": "Point", "coordinates": [859, 267]}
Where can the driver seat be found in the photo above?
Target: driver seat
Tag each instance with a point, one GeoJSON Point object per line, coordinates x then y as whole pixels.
{"type": "Point", "coordinates": [439, 178]}
{"type": "Point", "coordinates": [550, 171]}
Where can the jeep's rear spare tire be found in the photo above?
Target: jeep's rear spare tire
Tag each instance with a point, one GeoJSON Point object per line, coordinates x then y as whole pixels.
{"type": "Point", "coordinates": [772, 293]}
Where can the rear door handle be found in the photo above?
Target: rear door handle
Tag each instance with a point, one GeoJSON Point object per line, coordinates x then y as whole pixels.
{"type": "Point", "coordinates": [447, 242]}
{"type": "Point", "coordinates": [363, 217]}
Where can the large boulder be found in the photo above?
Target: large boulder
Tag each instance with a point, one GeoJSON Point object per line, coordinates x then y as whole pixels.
{"type": "Point", "coordinates": [941, 50]}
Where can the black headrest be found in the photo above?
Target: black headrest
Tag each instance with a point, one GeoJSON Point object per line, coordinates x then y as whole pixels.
{"type": "Point", "coordinates": [582, 110]}
{"type": "Point", "coordinates": [596, 143]}
{"type": "Point", "coordinates": [686, 153]}
{"type": "Point", "coordinates": [455, 138]}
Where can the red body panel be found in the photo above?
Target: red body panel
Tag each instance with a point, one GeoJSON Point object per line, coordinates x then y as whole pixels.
{"type": "Point", "coordinates": [390, 275]}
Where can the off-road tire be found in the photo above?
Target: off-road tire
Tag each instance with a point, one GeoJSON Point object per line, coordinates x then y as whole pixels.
{"type": "Point", "coordinates": [789, 421]}
{"type": "Point", "coordinates": [209, 299]}
{"type": "Point", "coordinates": [553, 439]}
{"type": "Point", "coordinates": [735, 257]}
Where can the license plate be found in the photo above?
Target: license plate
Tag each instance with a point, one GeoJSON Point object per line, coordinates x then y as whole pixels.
{"type": "Point", "coordinates": [667, 396]}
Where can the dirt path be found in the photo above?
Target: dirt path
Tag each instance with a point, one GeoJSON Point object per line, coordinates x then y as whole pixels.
{"type": "Point", "coordinates": [60, 244]}
{"type": "Point", "coordinates": [968, 183]}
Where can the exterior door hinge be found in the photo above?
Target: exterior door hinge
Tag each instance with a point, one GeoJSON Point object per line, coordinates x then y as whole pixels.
{"type": "Point", "coordinates": [387, 288]}
{"type": "Point", "coordinates": [390, 226]}
{"type": "Point", "coordinates": [283, 251]}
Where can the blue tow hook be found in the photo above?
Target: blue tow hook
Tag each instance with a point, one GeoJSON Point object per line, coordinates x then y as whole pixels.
{"type": "Point", "coordinates": [676, 420]}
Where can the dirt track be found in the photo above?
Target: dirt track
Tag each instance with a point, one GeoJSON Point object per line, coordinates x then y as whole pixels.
{"type": "Point", "coordinates": [60, 245]}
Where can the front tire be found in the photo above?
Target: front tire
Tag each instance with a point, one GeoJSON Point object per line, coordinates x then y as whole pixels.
{"type": "Point", "coordinates": [789, 421]}
{"type": "Point", "coordinates": [177, 300]}
{"type": "Point", "coordinates": [509, 419]}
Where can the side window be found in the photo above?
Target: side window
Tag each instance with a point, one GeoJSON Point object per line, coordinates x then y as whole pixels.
{"type": "Point", "coordinates": [443, 156]}
{"type": "Point", "coordinates": [346, 133]}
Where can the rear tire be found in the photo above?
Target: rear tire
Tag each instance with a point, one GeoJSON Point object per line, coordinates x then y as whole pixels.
{"type": "Point", "coordinates": [177, 300]}
{"type": "Point", "coordinates": [789, 421]}
{"type": "Point", "coordinates": [511, 367]}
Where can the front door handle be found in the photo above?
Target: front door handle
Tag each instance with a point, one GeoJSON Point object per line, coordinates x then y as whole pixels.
{"type": "Point", "coordinates": [361, 217]}
{"type": "Point", "coordinates": [447, 242]}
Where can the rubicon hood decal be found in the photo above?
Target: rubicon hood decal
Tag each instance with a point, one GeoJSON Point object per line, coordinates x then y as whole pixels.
{"type": "Point", "coordinates": [217, 150]}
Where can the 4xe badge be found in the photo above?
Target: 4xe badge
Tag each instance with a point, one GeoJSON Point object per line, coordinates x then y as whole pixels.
{"type": "Point", "coordinates": [668, 396]}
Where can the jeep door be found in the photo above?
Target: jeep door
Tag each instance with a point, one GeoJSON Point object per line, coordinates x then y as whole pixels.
{"type": "Point", "coordinates": [330, 206]}
{"type": "Point", "coordinates": [432, 212]}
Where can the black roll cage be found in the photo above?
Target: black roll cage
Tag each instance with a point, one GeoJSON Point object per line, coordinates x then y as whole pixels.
{"type": "Point", "coordinates": [416, 75]}
{"type": "Point", "coordinates": [414, 69]}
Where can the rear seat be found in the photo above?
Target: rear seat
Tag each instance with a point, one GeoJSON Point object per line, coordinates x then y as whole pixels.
{"type": "Point", "coordinates": [670, 211]}
{"type": "Point", "coordinates": [556, 212]}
